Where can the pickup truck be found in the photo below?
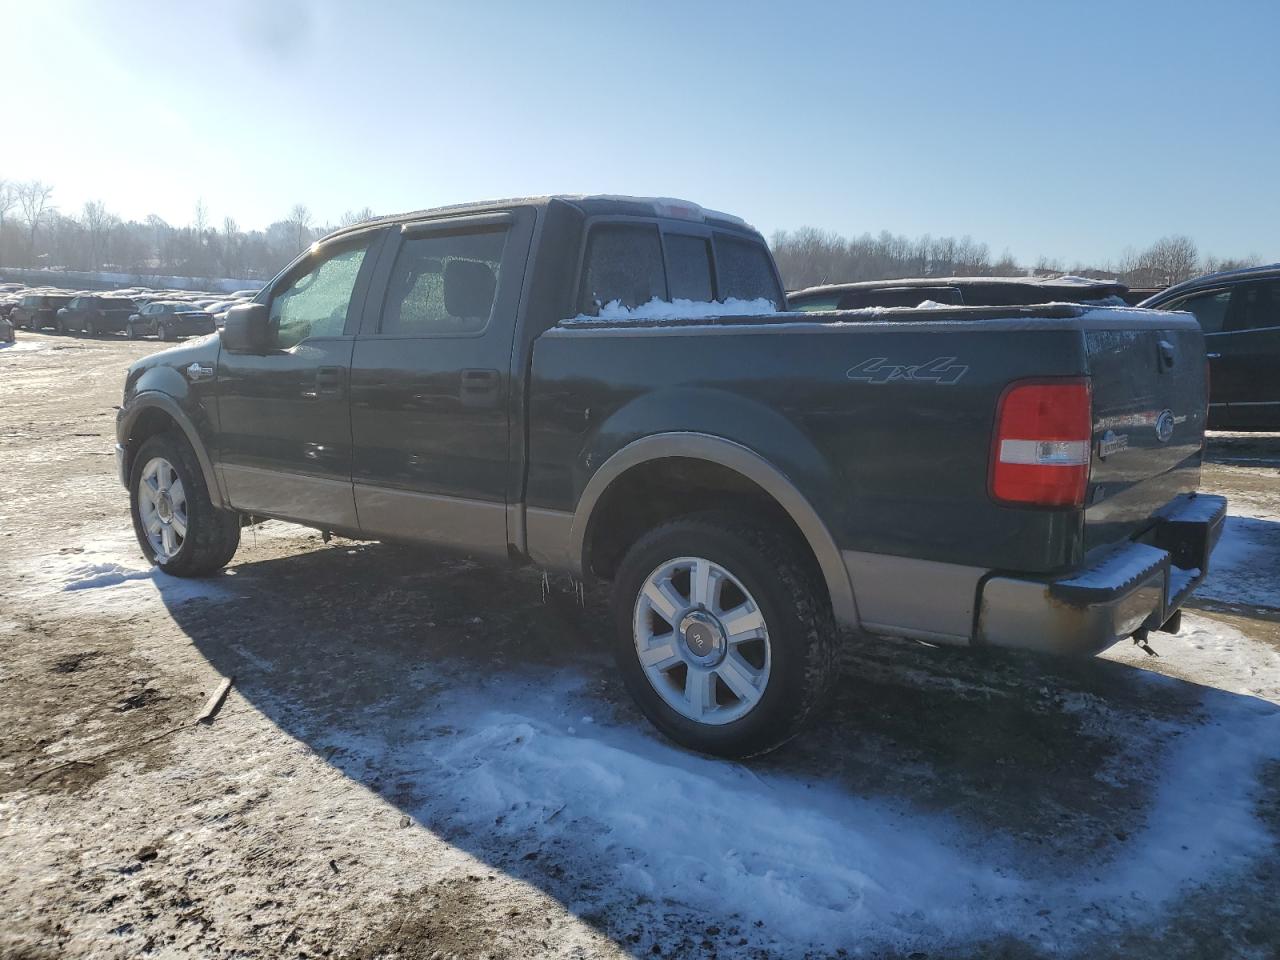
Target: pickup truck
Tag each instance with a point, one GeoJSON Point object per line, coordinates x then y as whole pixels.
{"type": "Point", "coordinates": [609, 388]}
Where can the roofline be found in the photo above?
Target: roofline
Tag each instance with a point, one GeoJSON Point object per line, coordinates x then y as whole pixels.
{"type": "Point", "coordinates": [1220, 276]}
{"type": "Point", "coordinates": [575, 200]}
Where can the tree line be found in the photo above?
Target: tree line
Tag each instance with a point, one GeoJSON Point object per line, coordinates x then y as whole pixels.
{"type": "Point", "coordinates": [34, 232]}
{"type": "Point", "coordinates": [809, 257]}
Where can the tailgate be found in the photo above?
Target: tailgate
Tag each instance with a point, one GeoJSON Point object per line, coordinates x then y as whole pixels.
{"type": "Point", "coordinates": [1149, 404]}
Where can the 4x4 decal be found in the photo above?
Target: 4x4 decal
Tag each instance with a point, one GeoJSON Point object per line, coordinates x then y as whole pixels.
{"type": "Point", "coordinates": [941, 370]}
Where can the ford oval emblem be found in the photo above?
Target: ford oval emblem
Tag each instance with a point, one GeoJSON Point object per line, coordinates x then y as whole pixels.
{"type": "Point", "coordinates": [1164, 426]}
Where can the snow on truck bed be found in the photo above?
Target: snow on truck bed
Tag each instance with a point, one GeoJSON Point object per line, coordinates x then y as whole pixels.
{"type": "Point", "coordinates": [679, 312]}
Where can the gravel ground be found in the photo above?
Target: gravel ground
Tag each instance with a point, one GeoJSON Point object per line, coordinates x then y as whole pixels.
{"type": "Point", "coordinates": [423, 757]}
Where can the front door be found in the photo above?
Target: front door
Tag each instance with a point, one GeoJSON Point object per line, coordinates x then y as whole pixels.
{"type": "Point", "coordinates": [284, 430]}
{"type": "Point", "coordinates": [430, 382]}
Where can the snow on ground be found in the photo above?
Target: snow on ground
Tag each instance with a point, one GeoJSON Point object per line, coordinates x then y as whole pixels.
{"type": "Point", "coordinates": [1245, 567]}
{"type": "Point", "coordinates": [529, 759]}
{"type": "Point", "coordinates": [24, 346]}
{"type": "Point", "coordinates": [78, 575]}
{"type": "Point", "coordinates": [816, 865]}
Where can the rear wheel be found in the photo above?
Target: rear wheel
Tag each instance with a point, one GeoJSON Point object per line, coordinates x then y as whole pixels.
{"type": "Point", "coordinates": [177, 525]}
{"type": "Point", "coordinates": [723, 633]}
{"type": "Point", "coordinates": [90, 328]}
{"type": "Point", "coordinates": [162, 331]}
{"type": "Point", "coordinates": [59, 327]}
{"type": "Point", "coordinates": [131, 331]}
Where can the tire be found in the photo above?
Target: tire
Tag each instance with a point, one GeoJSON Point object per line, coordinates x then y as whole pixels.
{"type": "Point", "coordinates": [162, 332]}
{"type": "Point", "coordinates": [59, 327]}
{"type": "Point", "coordinates": [131, 331]}
{"type": "Point", "coordinates": [90, 328]}
{"type": "Point", "coordinates": [790, 665]}
{"type": "Point", "coordinates": [212, 534]}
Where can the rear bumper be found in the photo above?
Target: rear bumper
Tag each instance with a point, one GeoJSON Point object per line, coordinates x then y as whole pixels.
{"type": "Point", "coordinates": [1133, 586]}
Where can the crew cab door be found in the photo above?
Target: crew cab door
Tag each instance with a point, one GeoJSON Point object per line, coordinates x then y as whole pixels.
{"type": "Point", "coordinates": [431, 380]}
{"type": "Point", "coordinates": [284, 420]}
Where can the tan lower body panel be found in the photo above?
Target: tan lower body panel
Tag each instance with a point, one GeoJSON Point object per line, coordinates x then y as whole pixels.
{"type": "Point", "coordinates": [914, 598]}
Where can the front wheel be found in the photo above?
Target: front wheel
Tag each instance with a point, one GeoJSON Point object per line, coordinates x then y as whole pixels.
{"type": "Point", "coordinates": [723, 633]}
{"type": "Point", "coordinates": [162, 332]}
{"type": "Point", "coordinates": [177, 525]}
{"type": "Point", "coordinates": [90, 328]}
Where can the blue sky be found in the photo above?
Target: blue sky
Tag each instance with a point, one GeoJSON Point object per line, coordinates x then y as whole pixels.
{"type": "Point", "coordinates": [1070, 131]}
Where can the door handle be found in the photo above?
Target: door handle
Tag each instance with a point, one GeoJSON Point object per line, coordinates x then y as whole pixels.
{"type": "Point", "coordinates": [329, 382]}
{"type": "Point", "coordinates": [479, 388]}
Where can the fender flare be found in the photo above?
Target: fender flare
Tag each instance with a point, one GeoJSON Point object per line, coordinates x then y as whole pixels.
{"type": "Point", "coordinates": [740, 459]}
{"type": "Point", "coordinates": [154, 400]}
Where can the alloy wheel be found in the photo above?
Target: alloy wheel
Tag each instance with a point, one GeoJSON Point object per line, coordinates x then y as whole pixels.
{"type": "Point", "coordinates": [702, 640]}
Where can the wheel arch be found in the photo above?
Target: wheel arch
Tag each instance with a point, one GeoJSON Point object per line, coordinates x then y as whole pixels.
{"type": "Point", "coordinates": [153, 413]}
{"type": "Point", "coordinates": [738, 461]}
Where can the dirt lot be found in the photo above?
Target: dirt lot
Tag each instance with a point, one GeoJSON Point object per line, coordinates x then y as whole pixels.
{"type": "Point", "coordinates": [422, 758]}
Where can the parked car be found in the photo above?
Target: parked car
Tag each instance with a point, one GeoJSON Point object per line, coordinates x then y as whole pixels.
{"type": "Point", "coordinates": [245, 294]}
{"type": "Point", "coordinates": [486, 379]}
{"type": "Point", "coordinates": [35, 311]}
{"type": "Point", "coordinates": [1239, 312]}
{"type": "Point", "coordinates": [168, 320]}
{"type": "Point", "coordinates": [95, 314]}
{"type": "Point", "coordinates": [7, 303]}
{"type": "Point", "coordinates": [11, 287]}
{"type": "Point", "coordinates": [957, 291]}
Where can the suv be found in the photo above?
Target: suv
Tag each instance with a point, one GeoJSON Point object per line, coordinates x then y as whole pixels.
{"type": "Point", "coordinates": [95, 314]}
{"type": "Point", "coordinates": [38, 310]}
{"type": "Point", "coordinates": [1239, 312]}
{"type": "Point", "coordinates": [605, 387]}
{"type": "Point", "coordinates": [168, 320]}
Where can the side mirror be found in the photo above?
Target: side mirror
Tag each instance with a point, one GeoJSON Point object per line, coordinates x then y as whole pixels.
{"type": "Point", "coordinates": [247, 329]}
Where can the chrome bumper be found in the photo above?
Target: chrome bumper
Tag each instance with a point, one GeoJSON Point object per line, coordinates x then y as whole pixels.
{"type": "Point", "coordinates": [1134, 586]}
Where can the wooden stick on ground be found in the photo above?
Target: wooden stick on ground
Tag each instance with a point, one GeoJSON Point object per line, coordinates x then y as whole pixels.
{"type": "Point", "coordinates": [214, 703]}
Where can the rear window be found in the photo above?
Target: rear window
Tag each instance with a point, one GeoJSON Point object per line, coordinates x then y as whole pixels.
{"type": "Point", "coordinates": [689, 267]}
{"type": "Point", "coordinates": [624, 263]}
{"type": "Point", "coordinates": [744, 270]}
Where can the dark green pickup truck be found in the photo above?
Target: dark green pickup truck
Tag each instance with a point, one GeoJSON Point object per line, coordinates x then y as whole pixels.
{"type": "Point", "coordinates": [611, 388]}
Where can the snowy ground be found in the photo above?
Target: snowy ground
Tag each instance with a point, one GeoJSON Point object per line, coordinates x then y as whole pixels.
{"type": "Point", "coordinates": [420, 758]}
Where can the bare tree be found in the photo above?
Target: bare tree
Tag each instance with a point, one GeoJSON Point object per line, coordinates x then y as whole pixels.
{"type": "Point", "coordinates": [8, 198]}
{"type": "Point", "coordinates": [33, 198]}
{"type": "Point", "coordinates": [350, 218]}
{"type": "Point", "coordinates": [201, 220]}
{"type": "Point", "coordinates": [1169, 260]}
{"type": "Point", "coordinates": [299, 220]}
{"type": "Point", "coordinates": [97, 224]}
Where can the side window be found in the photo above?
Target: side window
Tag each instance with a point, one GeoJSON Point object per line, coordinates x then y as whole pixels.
{"type": "Point", "coordinates": [444, 284]}
{"type": "Point", "coordinates": [1209, 308]}
{"type": "Point", "coordinates": [315, 303]}
{"type": "Point", "coordinates": [623, 263]}
{"type": "Point", "coordinates": [745, 271]}
{"type": "Point", "coordinates": [688, 267]}
{"type": "Point", "coordinates": [1254, 306]}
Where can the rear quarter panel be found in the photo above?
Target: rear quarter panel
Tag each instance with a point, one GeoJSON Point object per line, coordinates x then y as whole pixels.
{"type": "Point", "coordinates": [891, 454]}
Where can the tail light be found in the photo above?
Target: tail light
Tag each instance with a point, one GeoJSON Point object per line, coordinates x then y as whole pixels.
{"type": "Point", "coordinates": [1043, 441]}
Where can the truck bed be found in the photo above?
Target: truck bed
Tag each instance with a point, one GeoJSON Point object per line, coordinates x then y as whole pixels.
{"type": "Point", "coordinates": [883, 418]}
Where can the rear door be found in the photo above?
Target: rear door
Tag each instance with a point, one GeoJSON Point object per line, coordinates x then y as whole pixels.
{"type": "Point", "coordinates": [431, 379]}
{"type": "Point", "coordinates": [284, 430]}
{"type": "Point", "coordinates": [1246, 354]}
